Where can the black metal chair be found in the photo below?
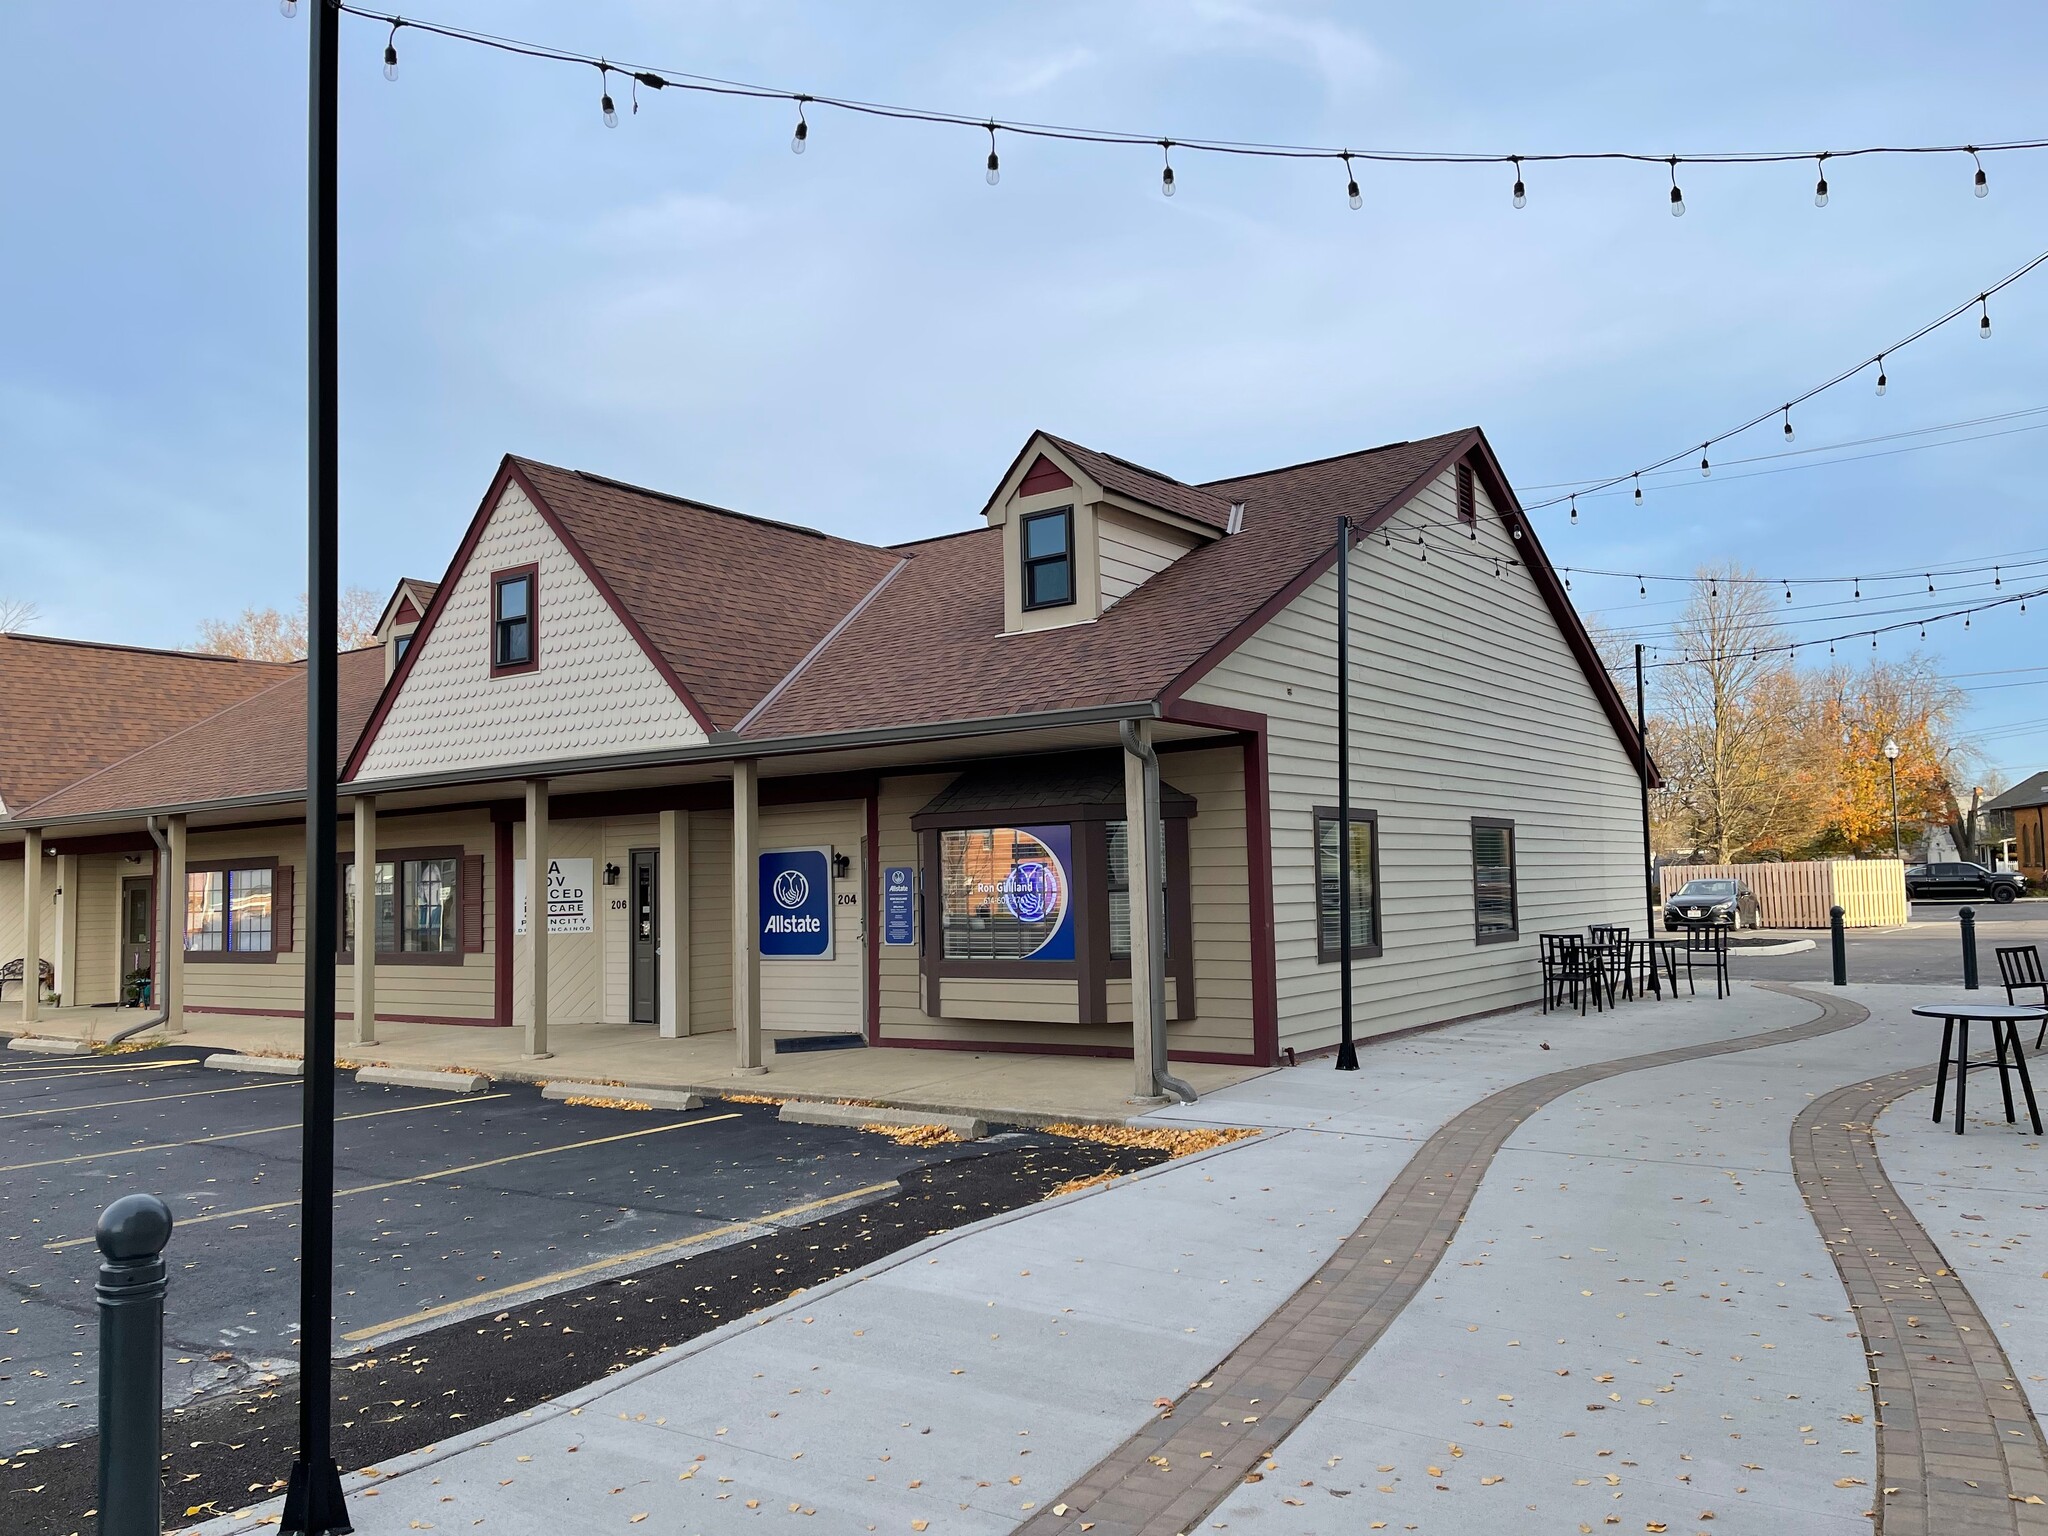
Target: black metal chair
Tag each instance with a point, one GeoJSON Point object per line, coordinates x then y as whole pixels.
{"type": "Point", "coordinates": [2019, 967]}
{"type": "Point", "coordinates": [1569, 973]}
{"type": "Point", "coordinates": [1610, 941]}
{"type": "Point", "coordinates": [1708, 946]}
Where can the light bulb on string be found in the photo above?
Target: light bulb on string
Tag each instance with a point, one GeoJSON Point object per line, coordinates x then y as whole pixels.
{"type": "Point", "coordinates": [1979, 185]}
{"type": "Point", "coordinates": [1859, 589]}
{"type": "Point", "coordinates": [1996, 579]}
{"type": "Point", "coordinates": [1166, 174]}
{"type": "Point", "coordinates": [1706, 469]}
{"type": "Point", "coordinates": [1496, 567]}
{"type": "Point", "coordinates": [1923, 631]}
{"type": "Point", "coordinates": [1880, 373]}
{"type": "Point", "coordinates": [604, 99]}
{"type": "Point", "coordinates": [1521, 193]}
{"type": "Point", "coordinates": [1966, 621]}
{"type": "Point", "coordinates": [391, 52]}
{"type": "Point", "coordinates": [1930, 582]}
{"type": "Point", "coordinates": [287, 8]}
{"type": "Point", "coordinates": [995, 164]}
{"type": "Point", "coordinates": [1639, 488]}
{"type": "Point", "coordinates": [1677, 197]}
{"type": "Point", "coordinates": [1820, 188]}
{"type": "Point", "coordinates": [654, 82]}
{"type": "Point", "coordinates": [1575, 509]}
{"type": "Point", "coordinates": [1788, 423]}
{"type": "Point", "coordinates": [1351, 192]}
{"type": "Point", "coordinates": [800, 139]}
{"type": "Point", "coordinates": [1641, 589]}
{"type": "Point", "coordinates": [1983, 317]}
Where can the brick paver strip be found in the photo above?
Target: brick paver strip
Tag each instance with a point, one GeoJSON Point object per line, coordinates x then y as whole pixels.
{"type": "Point", "coordinates": [1958, 1448]}
{"type": "Point", "coordinates": [1160, 1482]}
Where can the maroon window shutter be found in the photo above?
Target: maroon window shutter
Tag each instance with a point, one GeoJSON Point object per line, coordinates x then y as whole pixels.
{"type": "Point", "coordinates": [473, 904]}
{"type": "Point", "coordinates": [282, 908]}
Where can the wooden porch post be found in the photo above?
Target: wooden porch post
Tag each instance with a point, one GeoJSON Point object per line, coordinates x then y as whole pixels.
{"type": "Point", "coordinates": [746, 918]}
{"type": "Point", "coordinates": [172, 939]}
{"type": "Point", "coordinates": [365, 1024]}
{"type": "Point", "coordinates": [32, 926]}
{"type": "Point", "coordinates": [672, 906]}
{"type": "Point", "coordinates": [537, 919]}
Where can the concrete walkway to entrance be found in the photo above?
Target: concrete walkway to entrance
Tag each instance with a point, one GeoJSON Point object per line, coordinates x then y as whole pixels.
{"type": "Point", "coordinates": [1011, 1088]}
{"type": "Point", "coordinates": [1610, 1286]}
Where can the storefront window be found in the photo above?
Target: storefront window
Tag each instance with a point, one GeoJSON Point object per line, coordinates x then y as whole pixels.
{"type": "Point", "coordinates": [1006, 893]}
{"type": "Point", "coordinates": [415, 904]}
{"type": "Point", "coordinates": [1120, 888]}
{"type": "Point", "coordinates": [229, 911]}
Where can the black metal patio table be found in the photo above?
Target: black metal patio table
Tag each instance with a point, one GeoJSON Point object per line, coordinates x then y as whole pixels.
{"type": "Point", "coordinates": [2005, 1020]}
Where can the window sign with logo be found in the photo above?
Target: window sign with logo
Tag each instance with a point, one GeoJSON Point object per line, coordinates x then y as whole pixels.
{"type": "Point", "coordinates": [1007, 893]}
{"type": "Point", "coordinates": [569, 886]}
{"type": "Point", "coordinates": [899, 904]}
{"type": "Point", "coordinates": [796, 904]}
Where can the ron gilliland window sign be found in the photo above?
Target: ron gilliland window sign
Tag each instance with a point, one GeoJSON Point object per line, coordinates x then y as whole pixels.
{"type": "Point", "coordinates": [1006, 893]}
{"type": "Point", "coordinates": [796, 904]}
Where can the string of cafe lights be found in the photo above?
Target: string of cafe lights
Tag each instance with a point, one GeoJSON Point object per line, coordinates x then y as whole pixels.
{"type": "Point", "coordinates": [635, 76]}
{"type": "Point", "coordinates": [1997, 569]}
{"type": "Point", "coordinates": [1980, 305]}
{"type": "Point", "coordinates": [1870, 633]}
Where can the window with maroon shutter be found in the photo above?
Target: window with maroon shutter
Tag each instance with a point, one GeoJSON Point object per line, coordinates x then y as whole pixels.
{"type": "Point", "coordinates": [284, 907]}
{"type": "Point", "coordinates": [1468, 501]}
{"type": "Point", "coordinates": [473, 904]}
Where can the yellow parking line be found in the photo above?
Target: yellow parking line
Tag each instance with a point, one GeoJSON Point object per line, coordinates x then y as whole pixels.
{"type": "Point", "coordinates": [155, 1098]}
{"type": "Point", "coordinates": [422, 1178]}
{"type": "Point", "coordinates": [562, 1277]}
{"type": "Point", "coordinates": [58, 1070]}
{"type": "Point", "coordinates": [261, 1130]}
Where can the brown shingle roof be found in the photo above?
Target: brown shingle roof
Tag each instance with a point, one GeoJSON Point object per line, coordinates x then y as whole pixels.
{"type": "Point", "coordinates": [253, 748]}
{"type": "Point", "coordinates": [1147, 485]}
{"type": "Point", "coordinates": [931, 647]}
{"type": "Point", "coordinates": [74, 706]}
{"type": "Point", "coordinates": [731, 602]}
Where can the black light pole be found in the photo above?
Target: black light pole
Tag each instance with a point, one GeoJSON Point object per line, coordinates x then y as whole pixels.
{"type": "Point", "coordinates": [1347, 1048]}
{"type": "Point", "coordinates": [1650, 892]}
{"type": "Point", "coordinates": [1891, 756]}
{"type": "Point", "coordinates": [313, 1504]}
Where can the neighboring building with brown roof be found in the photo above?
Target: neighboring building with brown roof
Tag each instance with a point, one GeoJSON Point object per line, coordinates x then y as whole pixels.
{"type": "Point", "coordinates": [800, 784]}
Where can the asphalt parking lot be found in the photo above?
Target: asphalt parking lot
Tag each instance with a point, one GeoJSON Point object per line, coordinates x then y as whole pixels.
{"type": "Point", "coordinates": [446, 1207]}
{"type": "Point", "coordinates": [1927, 952]}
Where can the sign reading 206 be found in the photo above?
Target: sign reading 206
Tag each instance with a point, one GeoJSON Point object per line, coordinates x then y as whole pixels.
{"type": "Point", "coordinates": [796, 904]}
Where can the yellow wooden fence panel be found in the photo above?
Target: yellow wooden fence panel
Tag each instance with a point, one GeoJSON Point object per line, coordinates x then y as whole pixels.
{"type": "Point", "coordinates": [1871, 892]}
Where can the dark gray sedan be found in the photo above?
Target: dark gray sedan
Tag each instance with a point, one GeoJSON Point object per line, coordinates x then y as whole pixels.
{"type": "Point", "coordinates": [1712, 904]}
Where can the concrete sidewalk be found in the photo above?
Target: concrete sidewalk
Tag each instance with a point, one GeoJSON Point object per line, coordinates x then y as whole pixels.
{"type": "Point", "coordinates": [968, 1382]}
{"type": "Point", "coordinates": [1010, 1088]}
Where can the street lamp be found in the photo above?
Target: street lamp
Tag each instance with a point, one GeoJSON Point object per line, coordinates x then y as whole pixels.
{"type": "Point", "coordinates": [1891, 757]}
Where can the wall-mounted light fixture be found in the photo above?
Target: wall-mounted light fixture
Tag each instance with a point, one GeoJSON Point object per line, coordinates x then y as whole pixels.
{"type": "Point", "coordinates": [842, 866]}
{"type": "Point", "coordinates": [611, 874]}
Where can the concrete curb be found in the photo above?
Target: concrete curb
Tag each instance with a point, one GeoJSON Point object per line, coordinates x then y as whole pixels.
{"type": "Point", "coordinates": [46, 1045]}
{"type": "Point", "coordinates": [1788, 947]}
{"type": "Point", "coordinates": [424, 1077]}
{"type": "Point", "coordinates": [263, 1516]}
{"type": "Point", "coordinates": [648, 1098]}
{"type": "Point", "coordinates": [796, 1112]}
{"type": "Point", "coordinates": [276, 1066]}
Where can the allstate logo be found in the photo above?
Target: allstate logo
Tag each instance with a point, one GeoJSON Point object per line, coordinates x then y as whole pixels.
{"type": "Point", "coordinates": [1032, 891]}
{"type": "Point", "coordinates": [791, 890]}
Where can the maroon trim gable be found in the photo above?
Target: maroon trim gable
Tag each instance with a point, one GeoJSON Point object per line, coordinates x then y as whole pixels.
{"type": "Point", "coordinates": [509, 473]}
{"type": "Point", "coordinates": [1043, 476]}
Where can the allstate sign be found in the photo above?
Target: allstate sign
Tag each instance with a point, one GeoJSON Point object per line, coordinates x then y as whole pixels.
{"type": "Point", "coordinates": [796, 904]}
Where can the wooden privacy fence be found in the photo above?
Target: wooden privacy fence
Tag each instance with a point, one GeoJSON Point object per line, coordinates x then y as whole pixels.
{"type": "Point", "coordinates": [1870, 892]}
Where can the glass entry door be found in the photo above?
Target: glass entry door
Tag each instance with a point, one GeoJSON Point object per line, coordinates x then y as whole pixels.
{"type": "Point", "coordinates": [138, 927]}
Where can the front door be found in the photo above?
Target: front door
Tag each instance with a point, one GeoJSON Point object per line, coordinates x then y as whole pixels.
{"type": "Point", "coordinates": [138, 927]}
{"type": "Point", "coordinates": [646, 970]}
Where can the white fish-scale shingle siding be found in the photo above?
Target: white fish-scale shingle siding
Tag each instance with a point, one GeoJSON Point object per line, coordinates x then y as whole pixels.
{"type": "Point", "coordinates": [595, 690]}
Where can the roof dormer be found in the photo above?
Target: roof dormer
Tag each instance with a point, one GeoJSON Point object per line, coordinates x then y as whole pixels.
{"type": "Point", "coordinates": [400, 618]}
{"type": "Point", "coordinates": [1082, 529]}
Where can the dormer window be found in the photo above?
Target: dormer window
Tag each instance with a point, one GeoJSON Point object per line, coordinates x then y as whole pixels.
{"type": "Point", "coordinates": [514, 645]}
{"type": "Point", "coordinates": [400, 644]}
{"type": "Point", "coordinates": [1047, 542]}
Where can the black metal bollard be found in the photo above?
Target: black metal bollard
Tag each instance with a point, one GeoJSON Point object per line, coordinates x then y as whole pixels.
{"type": "Point", "coordinates": [1968, 919]}
{"type": "Point", "coordinates": [1840, 941]}
{"type": "Point", "coordinates": [131, 1234]}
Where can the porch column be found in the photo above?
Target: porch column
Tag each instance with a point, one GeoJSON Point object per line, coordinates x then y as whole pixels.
{"type": "Point", "coordinates": [672, 940]}
{"type": "Point", "coordinates": [32, 926]}
{"type": "Point", "coordinates": [65, 945]}
{"type": "Point", "coordinates": [365, 1030]}
{"type": "Point", "coordinates": [746, 917]}
{"type": "Point", "coordinates": [171, 941]}
{"type": "Point", "coordinates": [537, 919]}
{"type": "Point", "coordinates": [1148, 926]}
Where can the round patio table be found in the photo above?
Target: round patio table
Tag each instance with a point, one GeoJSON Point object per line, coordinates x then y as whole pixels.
{"type": "Point", "coordinates": [2005, 1020]}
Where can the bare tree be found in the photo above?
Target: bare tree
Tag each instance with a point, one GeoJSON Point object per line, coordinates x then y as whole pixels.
{"type": "Point", "coordinates": [1729, 719]}
{"type": "Point", "coordinates": [16, 614]}
{"type": "Point", "coordinates": [266, 634]}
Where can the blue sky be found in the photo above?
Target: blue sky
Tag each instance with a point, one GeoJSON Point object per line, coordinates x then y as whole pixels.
{"type": "Point", "coordinates": [859, 338]}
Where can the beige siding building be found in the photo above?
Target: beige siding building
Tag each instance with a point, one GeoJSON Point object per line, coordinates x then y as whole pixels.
{"type": "Point", "coordinates": [637, 763]}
